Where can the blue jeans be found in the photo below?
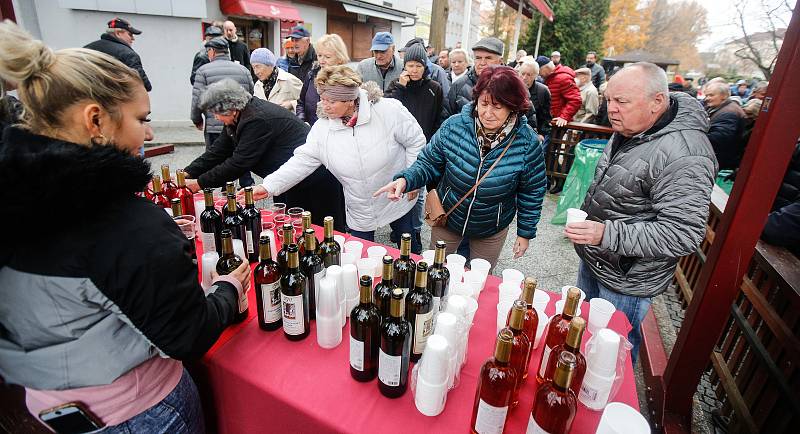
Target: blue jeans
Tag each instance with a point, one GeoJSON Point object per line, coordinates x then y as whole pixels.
{"type": "Point", "coordinates": [404, 224]}
{"type": "Point", "coordinates": [635, 308]}
{"type": "Point", "coordinates": [180, 412]}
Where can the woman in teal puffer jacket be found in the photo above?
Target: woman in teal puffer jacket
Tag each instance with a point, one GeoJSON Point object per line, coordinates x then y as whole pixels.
{"type": "Point", "coordinates": [464, 149]}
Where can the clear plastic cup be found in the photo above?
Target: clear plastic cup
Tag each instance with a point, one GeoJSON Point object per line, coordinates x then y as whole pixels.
{"type": "Point", "coordinates": [508, 291]}
{"type": "Point", "coordinates": [355, 247]}
{"type": "Point", "coordinates": [186, 225]}
{"type": "Point", "coordinates": [376, 253]}
{"type": "Point", "coordinates": [541, 299]}
{"type": "Point", "coordinates": [339, 239]}
{"type": "Point", "coordinates": [474, 280]}
{"type": "Point", "coordinates": [279, 208]}
{"type": "Point", "coordinates": [543, 320]}
{"type": "Point", "coordinates": [267, 215]}
{"type": "Point", "coordinates": [600, 312]}
{"type": "Point", "coordinates": [472, 307]}
{"type": "Point", "coordinates": [366, 266]}
{"type": "Point", "coordinates": [428, 256]}
{"type": "Point", "coordinates": [575, 215]}
{"type": "Point", "coordinates": [513, 276]}
{"type": "Point", "coordinates": [456, 260]}
{"type": "Point", "coordinates": [349, 258]}
{"type": "Point", "coordinates": [460, 288]}
{"type": "Point", "coordinates": [619, 418]}
{"type": "Point", "coordinates": [481, 265]}
{"type": "Point", "coordinates": [502, 313]}
{"type": "Point", "coordinates": [295, 212]}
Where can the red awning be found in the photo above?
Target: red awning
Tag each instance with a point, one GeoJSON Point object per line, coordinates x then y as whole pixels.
{"type": "Point", "coordinates": [540, 5]}
{"type": "Point", "coordinates": [260, 9]}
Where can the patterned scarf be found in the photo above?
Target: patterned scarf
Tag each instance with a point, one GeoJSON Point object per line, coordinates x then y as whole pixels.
{"type": "Point", "coordinates": [350, 121]}
{"type": "Point", "coordinates": [486, 140]}
{"type": "Point", "coordinates": [269, 83]}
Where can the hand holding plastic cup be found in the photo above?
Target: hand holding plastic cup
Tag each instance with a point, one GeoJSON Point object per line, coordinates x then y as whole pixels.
{"type": "Point", "coordinates": [600, 312]}
{"type": "Point", "coordinates": [575, 215]}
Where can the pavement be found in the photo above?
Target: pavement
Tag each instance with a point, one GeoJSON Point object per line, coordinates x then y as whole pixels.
{"type": "Point", "coordinates": [550, 258]}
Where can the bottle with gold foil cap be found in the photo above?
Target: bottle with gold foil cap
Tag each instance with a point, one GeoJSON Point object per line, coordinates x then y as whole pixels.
{"type": "Point", "coordinates": [572, 344]}
{"type": "Point", "coordinates": [419, 312]}
{"type": "Point", "coordinates": [175, 207]}
{"type": "Point", "coordinates": [159, 197]}
{"type": "Point", "coordinates": [295, 311]}
{"type": "Point", "coordinates": [555, 404]}
{"type": "Point", "coordinates": [531, 322]}
{"type": "Point", "coordinates": [365, 334]}
{"type": "Point", "coordinates": [329, 249]}
{"type": "Point", "coordinates": [183, 193]}
{"type": "Point", "coordinates": [252, 223]}
{"type": "Point", "coordinates": [395, 350]}
{"type": "Point", "coordinates": [167, 185]}
{"type": "Point", "coordinates": [496, 384]}
{"type": "Point", "coordinates": [521, 346]}
{"type": "Point", "coordinates": [267, 280]}
{"type": "Point", "coordinates": [404, 266]}
{"type": "Point", "coordinates": [557, 329]}
{"type": "Point", "coordinates": [287, 236]}
{"type": "Point", "coordinates": [382, 294]}
{"type": "Point", "coordinates": [438, 276]}
{"type": "Point", "coordinates": [311, 265]}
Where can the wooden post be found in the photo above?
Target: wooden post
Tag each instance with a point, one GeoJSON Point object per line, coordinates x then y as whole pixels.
{"type": "Point", "coordinates": [439, 12]}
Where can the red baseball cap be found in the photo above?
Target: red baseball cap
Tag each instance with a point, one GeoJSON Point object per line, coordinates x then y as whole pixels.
{"type": "Point", "coordinates": [119, 23]}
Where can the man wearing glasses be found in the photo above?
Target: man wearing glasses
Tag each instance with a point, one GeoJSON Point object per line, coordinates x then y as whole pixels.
{"type": "Point", "coordinates": [384, 66]}
{"type": "Point", "coordinates": [116, 42]}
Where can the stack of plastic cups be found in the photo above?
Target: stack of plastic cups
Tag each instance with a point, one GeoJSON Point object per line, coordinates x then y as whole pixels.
{"type": "Point", "coordinates": [456, 270]}
{"type": "Point", "coordinates": [208, 264]}
{"type": "Point", "coordinates": [447, 327]}
{"type": "Point", "coordinates": [474, 281]}
{"type": "Point", "coordinates": [600, 312]}
{"type": "Point", "coordinates": [540, 301]}
{"type": "Point", "coordinates": [457, 305]}
{"type": "Point", "coordinates": [459, 288]}
{"type": "Point", "coordinates": [481, 265]}
{"type": "Point", "coordinates": [433, 374]}
{"type": "Point", "coordinates": [619, 418]}
{"type": "Point", "coordinates": [601, 369]}
{"type": "Point", "coordinates": [512, 276]}
{"type": "Point", "coordinates": [349, 258]}
{"type": "Point", "coordinates": [329, 329]}
{"type": "Point", "coordinates": [339, 239]}
{"type": "Point", "coordinates": [354, 246]}
{"type": "Point", "coordinates": [334, 272]}
{"type": "Point", "coordinates": [350, 281]}
{"type": "Point", "coordinates": [376, 253]}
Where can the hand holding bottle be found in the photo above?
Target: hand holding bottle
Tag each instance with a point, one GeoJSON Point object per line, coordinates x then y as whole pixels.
{"type": "Point", "coordinates": [259, 192]}
{"type": "Point", "coordinates": [394, 189]}
{"type": "Point", "coordinates": [242, 274]}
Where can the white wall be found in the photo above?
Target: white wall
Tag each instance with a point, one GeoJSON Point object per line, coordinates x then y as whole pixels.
{"type": "Point", "coordinates": [316, 16]}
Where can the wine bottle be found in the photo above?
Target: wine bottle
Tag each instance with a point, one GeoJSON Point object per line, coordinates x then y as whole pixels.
{"type": "Point", "coordinates": [227, 263]}
{"type": "Point", "coordinates": [404, 266]}
{"type": "Point", "coordinates": [230, 188]}
{"type": "Point", "coordinates": [419, 312]}
{"type": "Point", "coordinates": [393, 357]}
{"type": "Point", "coordinates": [175, 207]}
{"type": "Point", "coordinates": [295, 303]}
{"type": "Point", "coordinates": [183, 193]}
{"type": "Point", "coordinates": [330, 250]}
{"type": "Point", "coordinates": [438, 276]}
{"type": "Point", "coordinates": [555, 404]}
{"type": "Point", "coordinates": [312, 267]}
{"type": "Point", "coordinates": [495, 385]}
{"type": "Point", "coordinates": [520, 348]}
{"type": "Point", "coordinates": [531, 322]}
{"type": "Point", "coordinates": [267, 278]}
{"type": "Point", "coordinates": [557, 329]}
{"type": "Point", "coordinates": [252, 224]}
{"type": "Point", "coordinates": [365, 334]}
{"type": "Point", "coordinates": [167, 185]}
{"type": "Point", "coordinates": [233, 221]}
{"type": "Point", "coordinates": [382, 295]}
{"type": "Point", "coordinates": [210, 224]}
{"type": "Point", "coordinates": [159, 198]}
{"type": "Point", "coordinates": [286, 241]}
{"type": "Point", "coordinates": [305, 216]}
{"type": "Point", "coordinates": [573, 345]}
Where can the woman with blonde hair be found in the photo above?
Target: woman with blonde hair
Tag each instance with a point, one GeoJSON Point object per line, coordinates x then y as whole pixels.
{"type": "Point", "coordinates": [362, 139]}
{"type": "Point", "coordinates": [331, 51]}
{"type": "Point", "coordinates": [99, 308]}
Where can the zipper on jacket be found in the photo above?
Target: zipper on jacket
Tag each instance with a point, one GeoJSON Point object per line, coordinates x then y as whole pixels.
{"type": "Point", "coordinates": [499, 211]}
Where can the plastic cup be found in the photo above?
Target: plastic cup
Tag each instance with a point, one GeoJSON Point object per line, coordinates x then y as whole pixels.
{"type": "Point", "coordinates": [502, 313]}
{"type": "Point", "coordinates": [566, 288]}
{"type": "Point", "coordinates": [209, 263]}
{"type": "Point", "coordinates": [268, 229]}
{"type": "Point", "coordinates": [619, 418]}
{"type": "Point", "coordinates": [350, 279]}
{"type": "Point", "coordinates": [267, 215]}
{"type": "Point", "coordinates": [329, 329]}
{"type": "Point", "coordinates": [376, 253]}
{"type": "Point", "coordinates": [428, 256]}
{"type": "Point", "coordinates": [513, 276]}
{"type": "Point", "coordinates": [339, 239]}
{"type": "Point", "coordinates": [575, 215]}
{"type": "Point", "coordinates": [474, 281]}
{"type": "Point", "coordinates": [186, 225]}
{"type": "Point", "coordinates": [430, 395]}
{"type": "Point", "coordinates": [472, 307]}
{"type": "Point", "coordinates": [461, 289]}
{"type": "Point", "coordinates": [543, 320]}
{"type": "Point", "coordinates": [354, 247]}
{"type": "Point", "coordinates": [541, 299]}
{"type": "Point", "coordinates": [334, 272]}
{"type": "Point", "coordinates": [349, 258]}
{"type": "Point", "coordinates": [456, 273]}
{"type": "Point", "coordinates": [479, 264]}
{"type": "Point", "coordinates": [509, 292]}
{"type": "Point", "coordinates": [560, 308]}
{"type": "Point", "coordinates": [295, 212]}
{"type": "Point", "coordinates": [447, 327]}
{"type": "Point", "coordinates": [279, 208]}
{"type": "Point", "coordinates": [600, 312]}
{"type": "Point", "coordinates": [365, 266]}
{"type": "Point", "coordinates": [457, 305]}
{"type": "Point", "coordinates": [434, 368]}
{"type": "Point", "coordinates": [456, 259]}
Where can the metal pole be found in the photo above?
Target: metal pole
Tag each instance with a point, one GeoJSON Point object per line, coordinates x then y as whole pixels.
{"type": "Point", "coordinates": [465, 31]}
{"type": "Point", "coordinates": [538, 36]}
{"type": "Point", "coordinates": [517, 25]}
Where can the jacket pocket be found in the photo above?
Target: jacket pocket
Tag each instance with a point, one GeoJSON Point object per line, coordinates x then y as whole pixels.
{"type": "Point", "coordinates": [499, 212]}
{"type": "Point", "coordinates": [604, 259]}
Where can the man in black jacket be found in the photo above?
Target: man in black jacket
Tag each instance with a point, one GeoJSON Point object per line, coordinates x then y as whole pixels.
{"type": "Point", "coordinates": [116, 42]}
{"type": "Point", "coordinates": [237, 49]}
{"type": "Point", "coordinates": [783, 223]}
{"type": "Point", "coordinates": [305, 55]}
{"type": "Point", "coordinates": [201, 57]}
{"type": "Point", "coordinates": [487, 52]}
{"type": "Point", "coordinates": [539, 116]}
{"type": "Point", "coordinates": [727, 125]}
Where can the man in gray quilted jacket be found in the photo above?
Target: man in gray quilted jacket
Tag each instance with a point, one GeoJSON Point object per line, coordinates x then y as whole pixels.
{"type": "Point", "coordinates": [649, 201]}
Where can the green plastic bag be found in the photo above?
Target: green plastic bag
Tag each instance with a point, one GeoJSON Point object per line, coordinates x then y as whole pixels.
{"type": "Point", "coordinates": [580, 177]}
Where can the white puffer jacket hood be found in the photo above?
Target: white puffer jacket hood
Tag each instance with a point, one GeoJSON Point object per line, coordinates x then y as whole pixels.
{"type": "Point", "coordinates": [385, 140]}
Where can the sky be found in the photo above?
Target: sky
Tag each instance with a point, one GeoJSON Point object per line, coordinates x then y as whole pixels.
{"type": "Point", "coordinates": [723, 20]}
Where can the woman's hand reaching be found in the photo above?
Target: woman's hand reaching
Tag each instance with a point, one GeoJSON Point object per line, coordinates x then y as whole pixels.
{"type": "Point", "coordinates": [394, 190]}
{"type": "Point", "coordinates": [520, 246]}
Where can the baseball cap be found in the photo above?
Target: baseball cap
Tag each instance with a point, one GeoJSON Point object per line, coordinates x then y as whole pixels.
{"type": "Point", "coordinates": [381, 41]}
{"type": "Point", "coordinates": [555, 53]}
{"type": "Point", "coordinates": [217, 43]}
{"type": "Point", "coordinates": [299, 32]}
{"type": "Point", "coordinates": [119, 23]}
{"type": "Point", "coordinates": [213, 31]}
{"type": "Point", "coordinates": [490, 44]}
{"type": "Point", "coordinates": [542, 60]}
{"type": "Point", "coordinates": [585, 71]}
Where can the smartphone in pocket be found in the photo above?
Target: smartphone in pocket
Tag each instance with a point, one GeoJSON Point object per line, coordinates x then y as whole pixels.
{"type": "Point", "coordinates": [71, 418]}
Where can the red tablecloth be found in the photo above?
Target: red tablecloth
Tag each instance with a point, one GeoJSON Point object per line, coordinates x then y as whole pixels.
{"type": "Point", "coordinates": [262, 382]}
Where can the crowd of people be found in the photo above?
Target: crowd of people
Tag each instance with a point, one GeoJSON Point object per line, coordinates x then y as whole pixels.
{"type": "Point", "coordinates": [453, 137]}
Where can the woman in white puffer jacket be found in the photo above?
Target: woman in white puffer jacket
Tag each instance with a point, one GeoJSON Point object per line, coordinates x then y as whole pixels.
{"type": "Point", "coordinates": [363, 140]}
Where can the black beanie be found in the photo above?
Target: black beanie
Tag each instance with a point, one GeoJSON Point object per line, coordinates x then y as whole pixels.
{"type": "Point", "coordinates": [417, 53]}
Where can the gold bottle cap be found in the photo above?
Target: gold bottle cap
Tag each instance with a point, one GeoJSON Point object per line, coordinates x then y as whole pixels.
{"type": "Point", "coordinates": [517, 319]}
{"type": "Point", "coordinates": [248, 196]}
{"type": "Point", "coordinates": [565, 369]}
{"type": "Point", "coordinates": [573, 298]}
{"type": "Point", "coordinates": [327, 224]}
{"type": "Point", "coordinates": [292, 261]}
{"type": "Point", "coordinates": [264, 251]}
{"type": "Point", "coordinates": [288, 230]}
{"type": "Point", "coordinates": [505, 341]}
{"type": "Point", "coordinates": [231, 202]}
{"type": "Point", "coordinates": [365, 287]}
{"type": "Point", "coordinates": [440, 253]}
{"type": "Point", "coordinates": [208, 196]}
{"type": "Point", "coordinates": [575, 333]}
{"type": "Point", "coordinates": [405, 245]}
{"type": "Point", "coordinates": [388, 270]}
{"type": "Point", "coordinates": [181, 176]}
{"type": "Point", "coordinates": [230, 187]}
{"type": "Point", "coordinates": [165, 171]}
{"type": "Point", "coordinates": [156, 184]}
{"type": "Point", "coordinates": [177, 209]}
{"type": "Point", "coordinates": [310, 239]}
{"type": "Point", "coordinates": [306, 216]}
{"type": "Point", "coordinates": [397, 305]}
{"type": "Point", "coordinates": [528, 289]}
{"type": "Point", "coordinates": [421, 278]}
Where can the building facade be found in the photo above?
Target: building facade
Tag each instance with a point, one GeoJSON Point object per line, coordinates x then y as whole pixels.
{"type": "Point", "coordinates": [455, 23]}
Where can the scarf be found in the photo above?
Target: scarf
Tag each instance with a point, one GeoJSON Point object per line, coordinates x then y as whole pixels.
{"type": "Point", "coordinates": [350, 121]}
{"type": "Point", "coordinates": [269, 83]}
{"type": "Point", "coordinates": [486, 140]}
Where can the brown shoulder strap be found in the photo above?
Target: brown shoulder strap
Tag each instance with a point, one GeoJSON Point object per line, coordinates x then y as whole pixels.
{"type": "Point", "coordinates": [475, 187]}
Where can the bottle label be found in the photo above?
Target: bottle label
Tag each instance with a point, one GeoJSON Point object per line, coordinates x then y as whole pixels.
{"type": "Point", "coordinates": [389, 368]}
{"type": "Point", "coordinates": [271, 299]}
{"type": "Point", "coordinates": [423, 328]}
{"type": "Point", "coordinates": [437, 303]}
{"type": "Point", "coordinates": [534, 428]}
{"type": "Point", "coordinates": [209, 241]}
{"type": "Point", "coordinates": [250, 247]}
{"type": "Point", "coordinates": [545, 359]}
{"type": "Point", "coordinates": [293, 316]}
{"type": "Point", "coordinates": [356, 354]}
{"type": "Point", "coordinates": [490, 419]}
{"type": "Point", "coordinates": [243, 301]}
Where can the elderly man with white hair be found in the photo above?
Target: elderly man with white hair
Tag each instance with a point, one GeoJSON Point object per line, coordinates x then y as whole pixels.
{"type": "Point", "coordinates": [648, 203]}
{"type": "Point", "coordinates": [727, 125]}
{"type": "Point", "coordinates": [539, 116]}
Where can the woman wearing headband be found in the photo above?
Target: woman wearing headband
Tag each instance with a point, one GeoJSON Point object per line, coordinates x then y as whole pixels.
{"type": "Point", "coordinates": [363, 140]}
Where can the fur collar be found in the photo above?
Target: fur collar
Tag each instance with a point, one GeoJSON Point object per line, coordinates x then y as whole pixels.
{"type": "Point", "coordinates": [373, 94]}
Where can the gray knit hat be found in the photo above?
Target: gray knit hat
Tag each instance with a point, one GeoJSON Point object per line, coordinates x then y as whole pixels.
{"type": "Point", "coordinates": [416, 53]}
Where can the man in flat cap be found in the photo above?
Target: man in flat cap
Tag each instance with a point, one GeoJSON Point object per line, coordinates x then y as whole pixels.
{"type": "Point", "coordinates": [487, 52]}
{"type": "Point", "coordinates": [201, 57]}
{"type": "Point", "coordinates": [116, 42]}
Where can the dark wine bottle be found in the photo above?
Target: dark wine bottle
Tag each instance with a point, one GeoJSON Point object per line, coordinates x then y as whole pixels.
{"type": "Point", "coordinates": [184, 194]}
{"type": "Point", "coordinates": [252, 224]}
{"type": "Point", "coordinates": [227, 263]}
{"type": "Point", "coordinates": [230, 188]}
{"type": "Point", "coordinates": [210, 224]}
{"type": "Point", "coordinates": [233, 221]}
{"type": "Point", "coordinates": [286, 241]}
{"type": "Point", "coordinates": [159, 198]}
{"type": "Point", "coordinates": [419, 312]}
{"type": "Point", "coordinates": [495, 385]}
{"type": "Point", "coordinates": [311, 265]}
{"type": "Point", "coordinates": [438, 276]}
{"type": "Point", "coordinates": [365, 334]}
{"type": "Point", "coordinates": [167, 185]}
{"type": "Point", "coordinates": [175, 207]}
{"type": "Point", "coordinates": [330, 250]}
{"type": "Point", "coordinates": [300, 239]}
{"type": "Point", "coordinates": [267, 278]}
{"type": "Point", "coordinates": [404, 266]}
{"type": "Point", "coordinates": [393, 357]}
{"type": "Point", "coordinates": [383, 291]}
{"type": "Point", "coordinates": [295, 304]}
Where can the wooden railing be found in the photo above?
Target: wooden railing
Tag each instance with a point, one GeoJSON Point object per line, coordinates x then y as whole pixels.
{"type": "Point", "coordinates": [754, 368]}
{"type": "Point", "coordinates": [560, 152]}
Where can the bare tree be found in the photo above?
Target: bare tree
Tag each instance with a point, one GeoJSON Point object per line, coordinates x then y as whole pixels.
{"type": "Point", "coordinates": [763, 56]}
{"type": "Point", "coordinates": [436, 37]}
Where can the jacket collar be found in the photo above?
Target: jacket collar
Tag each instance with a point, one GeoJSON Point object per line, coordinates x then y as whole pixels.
{"type": "Point", "coordinates": [112, 38]}
{"type": "Point", "coordinates": [222, 56]}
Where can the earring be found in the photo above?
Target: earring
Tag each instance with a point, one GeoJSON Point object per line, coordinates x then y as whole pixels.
{"type": "Point", "coordinates": [99, 140]}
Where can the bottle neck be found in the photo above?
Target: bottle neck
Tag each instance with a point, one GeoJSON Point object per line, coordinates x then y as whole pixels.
{"type": "Point", "coordinates": [165, 173]}
{"type": "Point", "coordinates": [405, 249]}
{"type": "Point", "coordinates": [287, 237]}
{"type": "Point", "coordinates": [264, 252]}
{"type": "Point", "coordinates": [310, 242]}
{"type": "Point", "coordinates": [248, 198]}
{"type": "Point", "coordinates": [209, 198]}
{"type": "Point", "coordinates": [439, 256]}
{"type": "Point", "coordinates": [156, 184]}
{"type": "Point", "coordinates": [230, 188]}
{"type": "Point", "coordinates": [293, 262]}
{"type": "Point", "coordinates": [388, 272]}
{"type": "Point", "coordinates": [227, 246]}
{"type": "Point", "coordinates": [181, 176]}
{"type": "Point", "coordinates": [365, 296]}
{"type": "Point", "coordinates": [328, 225]}
{"type": "Point", "coordinates": [231, 204]}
